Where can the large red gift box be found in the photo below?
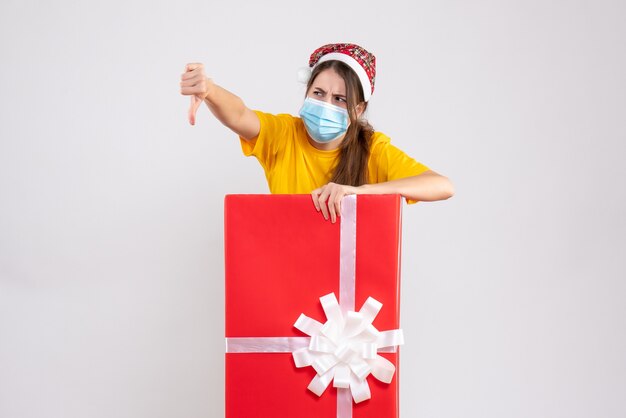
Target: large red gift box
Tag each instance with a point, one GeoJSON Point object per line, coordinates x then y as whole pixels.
{"type": "Point", "coordinates": [281, 257]}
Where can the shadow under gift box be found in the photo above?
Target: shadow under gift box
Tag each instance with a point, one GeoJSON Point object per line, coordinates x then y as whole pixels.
{"type": "Point", "coordinates": [281, 257]}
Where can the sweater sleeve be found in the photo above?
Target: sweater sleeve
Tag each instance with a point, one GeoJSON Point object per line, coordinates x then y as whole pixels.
{"type": "Point", "coordinates": [390, 163]}
{"type": "Point", "coordinates": [272, 135]}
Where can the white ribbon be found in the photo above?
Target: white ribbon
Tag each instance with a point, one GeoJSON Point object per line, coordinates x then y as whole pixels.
{"type": "Point", "coordinates": [344, 349]}
{"type": "Point", "coordinates": [265, 344]}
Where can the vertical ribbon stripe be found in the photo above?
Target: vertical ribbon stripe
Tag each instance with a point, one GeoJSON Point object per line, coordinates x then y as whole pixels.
{"type": "Point", "coordinates": [347, 283]}
{"type": "Point", "coordinates": [347, 258]}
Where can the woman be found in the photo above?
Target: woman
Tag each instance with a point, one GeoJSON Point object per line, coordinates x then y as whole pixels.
{"type": "Point", "coordinates": [330, 151]}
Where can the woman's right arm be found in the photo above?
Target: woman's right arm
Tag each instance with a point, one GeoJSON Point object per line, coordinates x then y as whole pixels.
{"type": "Point", "coordinates": [227, 107]}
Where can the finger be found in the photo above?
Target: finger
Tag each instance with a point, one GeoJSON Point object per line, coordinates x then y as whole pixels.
{"type": "Point", "coordinates": [198, 89]}
{"type": "Point", "coordinates": [322, 201]}
{"type": "Point", "coordinates": [193, 72]}
{"type": "Point", "coordinates": [331, 207]}
{"type": "Point", "coordinates": [333, 204]}
{"type": "Point", "coordinates": [338, 205]}
{"type": "Point", "coordinates": [192, 66]}
{"type": "Point", "coordinates": [315, 194]}
{"type": "Point", "coordinates": [193, 108]}
{"type": "Point", "coordinates": [190, 114]}
{"type": "Point", "coordinates": [191, 81]}
{"type": "Point", "coordinates": [190, 91]}
{"type": "Point", "coordinates": [198, 72]}
{"type": "Point", "coordinates": [197, 82]}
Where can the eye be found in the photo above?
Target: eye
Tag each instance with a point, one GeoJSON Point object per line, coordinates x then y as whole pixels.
{"type": "Point", "coordinates": [317, 93]}
{"type": "Point", "coordinates": [340, 99]}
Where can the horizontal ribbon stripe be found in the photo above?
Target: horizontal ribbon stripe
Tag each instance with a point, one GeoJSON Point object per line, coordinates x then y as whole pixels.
{"type": "Point", "coordinates": [276, 345]}
{"type": "Point", "coordinates": [266, 344]}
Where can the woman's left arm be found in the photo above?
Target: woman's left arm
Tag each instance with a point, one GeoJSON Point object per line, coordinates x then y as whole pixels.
{"type": "Point", "coordinates": [428, 187]}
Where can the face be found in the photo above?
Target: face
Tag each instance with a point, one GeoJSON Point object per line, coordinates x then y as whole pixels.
{"type": "Point", "coordinates": [329, 87]}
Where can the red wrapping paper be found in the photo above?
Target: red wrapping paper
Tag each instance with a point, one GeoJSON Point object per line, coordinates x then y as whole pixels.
{"type": "Point", "coordinates": [281, 256]}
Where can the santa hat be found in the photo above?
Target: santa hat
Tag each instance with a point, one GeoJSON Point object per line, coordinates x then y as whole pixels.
{"type": "Point", "coordinates": [362, 63]}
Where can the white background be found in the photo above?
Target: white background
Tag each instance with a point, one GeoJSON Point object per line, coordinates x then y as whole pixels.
{"type": "Point", "coordinates": [111, 254]}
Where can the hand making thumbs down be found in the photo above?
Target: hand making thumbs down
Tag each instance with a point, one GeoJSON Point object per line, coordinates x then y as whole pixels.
{"type": "Point", "coordinates": [194, 83]}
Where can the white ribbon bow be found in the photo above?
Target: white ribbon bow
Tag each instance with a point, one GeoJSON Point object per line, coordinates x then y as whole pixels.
{"type": "Point", "coordinates": [344, 349]}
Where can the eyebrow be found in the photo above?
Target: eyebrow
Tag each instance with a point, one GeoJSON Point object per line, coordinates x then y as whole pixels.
{"type": "Point", "coordinates": [324, 91]}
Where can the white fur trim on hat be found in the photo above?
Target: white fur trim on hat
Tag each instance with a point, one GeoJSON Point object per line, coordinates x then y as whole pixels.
{"type": "Point", "coordinates": [354, 64]}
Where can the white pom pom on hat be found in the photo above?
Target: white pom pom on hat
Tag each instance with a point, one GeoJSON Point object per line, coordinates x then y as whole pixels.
{"type": "Point", "coordinates": [362, 62]}
{"type": "Point", "coordinates": [304, 74]}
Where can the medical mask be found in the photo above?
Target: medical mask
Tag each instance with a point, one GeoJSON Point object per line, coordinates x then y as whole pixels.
{"type": "Point", "coordinates": [324, 122]}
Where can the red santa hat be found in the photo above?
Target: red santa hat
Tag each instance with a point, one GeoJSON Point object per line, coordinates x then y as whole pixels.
{"type": "Point", "coordinates": [363, 63]}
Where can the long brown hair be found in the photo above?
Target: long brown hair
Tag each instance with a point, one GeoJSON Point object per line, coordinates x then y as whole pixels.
{"type": "Point", "coordinates": [351, 168]}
